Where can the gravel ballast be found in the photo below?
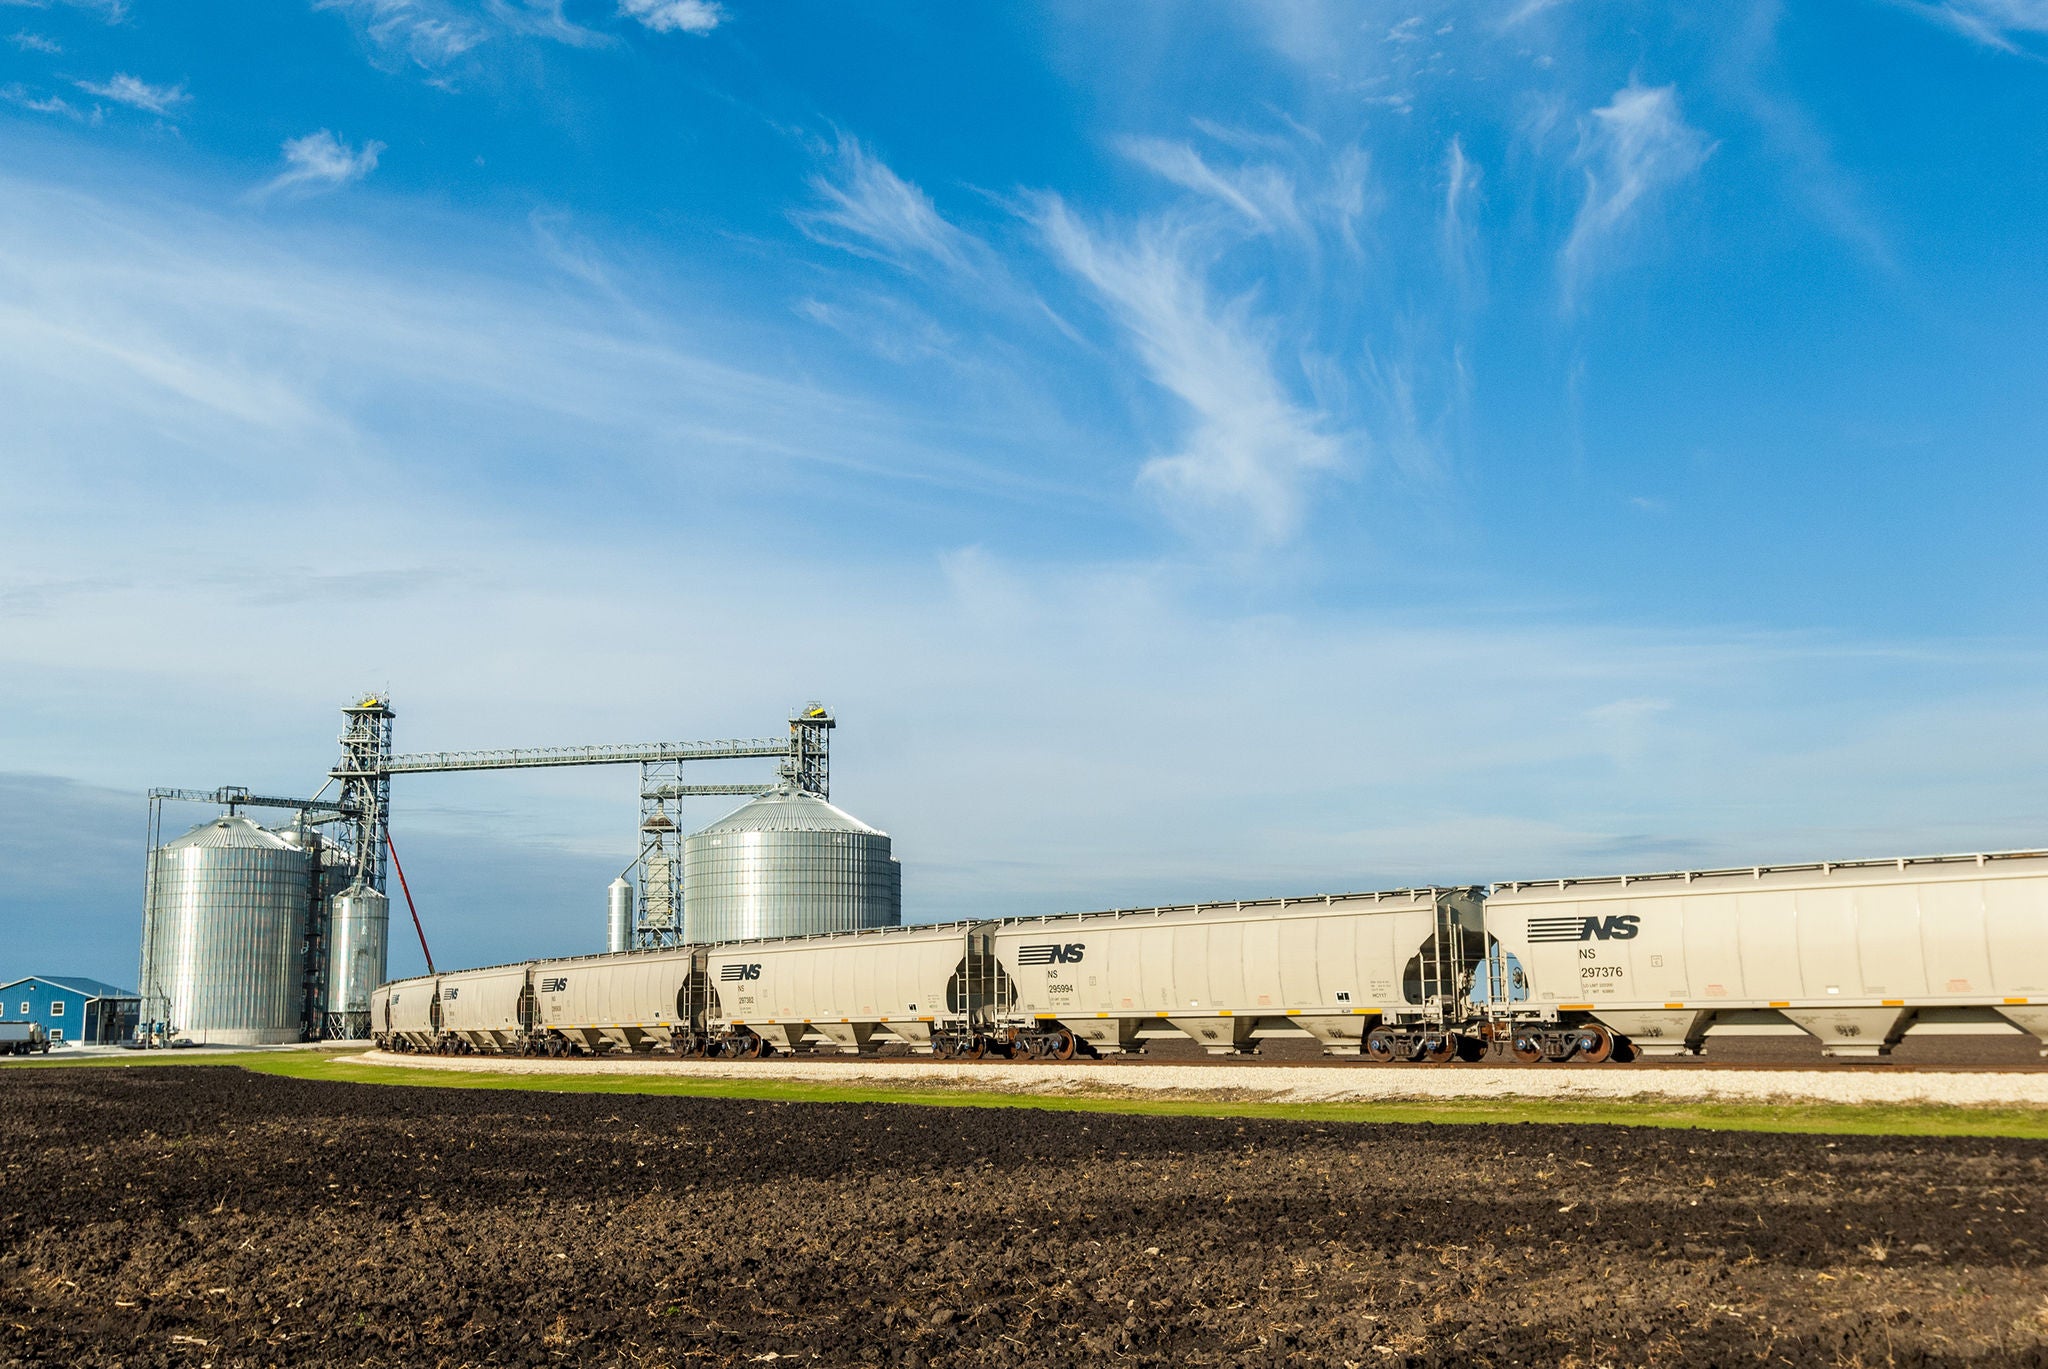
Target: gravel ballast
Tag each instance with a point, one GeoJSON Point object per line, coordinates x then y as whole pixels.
{"type": "Point", "coordinates": [1312, 1083]}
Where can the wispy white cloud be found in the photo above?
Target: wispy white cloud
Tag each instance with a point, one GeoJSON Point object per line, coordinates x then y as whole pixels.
{"type": "Point", "coordinates": [1458, 230]}
{"type": "Point", "coordinates": [109, 11]}
{"type": "Point", "coordinates": [1529, 9]}
{"type": "Point", "coordinates": [249, 357]}
{"type": "Point", "coordinates": [1814, 177]}
{"type": "Point", "coordinates": [871, 210]}
{"type": "Point", "coordinates": [321, 161]}
{"type": "Point", "coordinates": [1350, 197]}
{"type": "Point", "coordinates": [2007, 25]}
{"type": "Point", "coordinates": [35, 42]}
{"type": "Point", "coordinates": [1632, 148]}
{"type": "Point", "coordinates": [442, 37]}
{"type": "Point", "coordinates": [1250, 449]}
{"type": "Point", "coordinates": [887, 327]}
{"type": "Point", "coordinates": [430, 34]}
{"type": "Point", "coordinates": [1262, 195]}
{"type": "Point", "coordinates": [137, 94]}
{"type": "Point", "coordinates": [41, 104]}
{"type": "Point", "coordinates": [544, 19]}
{"type": "Point", "coordinates": [675, 16]}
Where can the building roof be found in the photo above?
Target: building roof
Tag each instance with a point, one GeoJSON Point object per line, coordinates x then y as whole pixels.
{"type": "Point", "coordinates": [91, 988]}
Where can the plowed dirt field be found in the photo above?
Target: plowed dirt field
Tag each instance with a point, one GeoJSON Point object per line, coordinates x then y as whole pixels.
{"type": "Point", "coordinates": [205, 1216]}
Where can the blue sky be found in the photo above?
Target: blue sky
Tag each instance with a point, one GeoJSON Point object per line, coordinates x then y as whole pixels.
{"type": "Point", "coordinates": [1198, 450]}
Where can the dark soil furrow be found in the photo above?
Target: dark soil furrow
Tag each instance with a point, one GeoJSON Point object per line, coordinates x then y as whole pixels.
{"type": "Point", "coordinates": [204, 1216]}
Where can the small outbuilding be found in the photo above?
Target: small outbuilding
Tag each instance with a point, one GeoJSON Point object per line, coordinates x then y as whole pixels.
{"type": "Point", "coordinates": [72, 1008]}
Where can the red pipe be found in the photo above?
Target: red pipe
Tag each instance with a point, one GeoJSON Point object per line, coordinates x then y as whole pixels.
{"type": "Point", "coordinates": [408, 900]}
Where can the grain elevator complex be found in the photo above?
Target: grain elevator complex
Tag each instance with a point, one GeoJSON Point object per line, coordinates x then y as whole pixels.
{"type": "Point", "coordinates": [262, 933]}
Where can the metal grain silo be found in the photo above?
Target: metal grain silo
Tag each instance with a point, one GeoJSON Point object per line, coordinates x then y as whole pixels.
{"type": "Point", "coordinates": [223, 954]}
{"type": "Point", "coordinates": [788, 864]}
{"type": "Point", "coordinates": [358, 928]}
{"type": "Point", "coordinates": [619, 916]}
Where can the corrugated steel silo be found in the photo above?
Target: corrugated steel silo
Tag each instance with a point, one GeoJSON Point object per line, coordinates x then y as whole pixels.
{"type": "Point", "coordinates": [358, 929]}
{"type": "Point", "coordinates": [788, 864]}
{"type": "Point", "coordinates": [619, 916]}
{"type": "Point", "coordinates": [223, 953]}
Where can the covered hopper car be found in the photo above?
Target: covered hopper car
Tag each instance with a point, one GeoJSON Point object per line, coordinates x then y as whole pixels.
{"type": "Point", "coordinates": [1857, 955]}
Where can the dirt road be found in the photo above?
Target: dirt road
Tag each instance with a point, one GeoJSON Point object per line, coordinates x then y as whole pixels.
{"type": "Point", "coordinates": [204, 1216]}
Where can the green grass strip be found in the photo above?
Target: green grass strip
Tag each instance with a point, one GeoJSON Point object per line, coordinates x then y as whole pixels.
{"type": "Point", "coordinates": [1834, 1119]}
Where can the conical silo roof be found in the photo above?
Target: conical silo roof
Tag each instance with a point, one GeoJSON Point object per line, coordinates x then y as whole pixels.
{"type": "Point", "coordinates": [787, 810]}
{"type": "Point", "coordinates": [231, 831]}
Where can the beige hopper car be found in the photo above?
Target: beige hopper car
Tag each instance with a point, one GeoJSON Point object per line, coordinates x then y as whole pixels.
{"type": "Point", "coordinates": [1857, 954]}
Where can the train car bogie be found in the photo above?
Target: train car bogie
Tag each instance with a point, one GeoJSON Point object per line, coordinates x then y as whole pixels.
{"type": "Point", "coordinates": [1425, 1044]}
{"type": "Point", "coordinates": [1588, 1043]}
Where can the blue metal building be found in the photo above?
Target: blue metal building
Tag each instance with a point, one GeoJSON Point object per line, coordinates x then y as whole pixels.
{"type": "Point", "coordinates": [71, 1008]}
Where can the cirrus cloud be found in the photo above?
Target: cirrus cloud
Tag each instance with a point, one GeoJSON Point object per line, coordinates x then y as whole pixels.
{"type": "Point", "coordinates": [674, 16]}
{"type": "Point", "coordinates": [1633, 148]}
{"type": "Point", "coordinates": [321, 161]}
{"type": "Point", "coordinates": [136, 93]}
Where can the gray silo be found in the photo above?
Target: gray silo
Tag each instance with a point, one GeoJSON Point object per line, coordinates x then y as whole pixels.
{"type": "Point", "coordinates": [358, 928]}
{"type": "Point", "coordinates": [223, 953]}
{"type": "Point", "coordinates": [788, 864]}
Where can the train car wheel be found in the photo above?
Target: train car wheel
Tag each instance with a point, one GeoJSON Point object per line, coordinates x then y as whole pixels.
{"type": "Point", "coordinates": [1380, 1046]}
{"type": "Point", "coordinates": [979, 1050]}
{"type": "Point", "coordinates": [1062, 1046]}
{"type": "Point", "coordinates": [1527, 1048]}
{"type": "Point", "coordinates": [1440, 1050]}
{"type": "Point", "coordinates": [1594, 1042]}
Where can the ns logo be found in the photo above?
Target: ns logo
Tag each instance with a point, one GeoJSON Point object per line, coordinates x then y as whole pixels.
{"type": "Point", "coordinates": [1052, 953]}
{"type": "Point", "coordinates": [734, 972]}
{"type": "Point", "coordinates": [1615, 927]}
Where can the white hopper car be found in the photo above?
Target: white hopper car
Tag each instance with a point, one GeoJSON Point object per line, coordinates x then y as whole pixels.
{"type": "Point", "coordinates": [1857, 955]}
{"type": "Point", "coordinates": [844, 993]}
{"type": "Point", "coordinates": [486, 1009]}
{"type": "Point", "coordinates": [1231, 975]}
{"type": "Point", "coordinates": [631, 1001]}
{"type": "Point", "coordinates": [407, 1014]}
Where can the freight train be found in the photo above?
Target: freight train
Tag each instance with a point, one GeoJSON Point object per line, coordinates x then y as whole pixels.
{"type": "Point", "coordinates": [1856, 954]}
